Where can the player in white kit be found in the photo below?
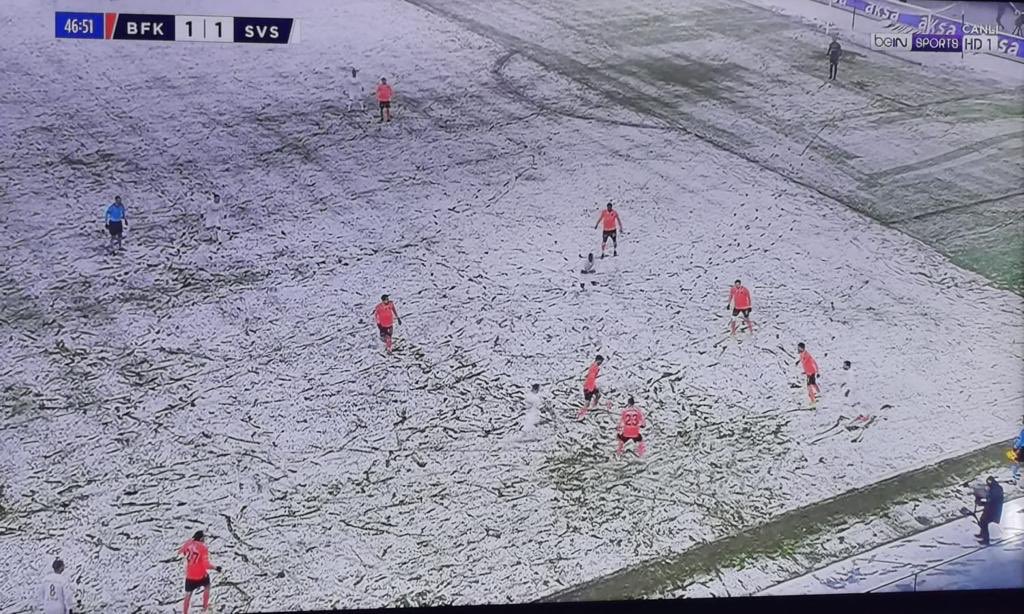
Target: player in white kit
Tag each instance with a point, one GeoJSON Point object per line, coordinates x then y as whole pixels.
{"type": "Point", "coordinates": [212, 217]}
{"type": "Point", "coordinates": [56, 594]}
{"type": "Point", "coordinates": [847, 387]}
{"type": "Point", "coordinates": [532, 416]}
{"type": "Point", "coordinates": [354, 91]}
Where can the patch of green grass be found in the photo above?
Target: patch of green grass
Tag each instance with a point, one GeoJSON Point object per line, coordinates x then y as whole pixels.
{"type": "Point", "coordinates": [795, 535]}
{"type": "Point", "coordinates": [1001, 261]}
{"type": "Point", "coordinates": [19, 400]}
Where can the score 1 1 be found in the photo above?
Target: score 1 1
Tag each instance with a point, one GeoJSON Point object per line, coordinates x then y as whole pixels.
{"type": "Point", "coordinates": [204, 28]}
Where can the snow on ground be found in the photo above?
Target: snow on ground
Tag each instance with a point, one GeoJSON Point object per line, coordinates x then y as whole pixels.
{"type": "Point", "coordinates": [944, 558]}
{"type": "Point", "coordinates": [900, 531]}
{"type": "Point", "coordinates": [242, 389]}
{"type": "Point", "coordinates": [855, 33]}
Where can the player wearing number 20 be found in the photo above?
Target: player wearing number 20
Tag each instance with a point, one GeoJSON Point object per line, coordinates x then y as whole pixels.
{"type": "Point", "coordinates": [197, 568]}
{"type": "Point", "coordinates": [56, 592]}
{"type": "Point", "coordinates": [630, 423]}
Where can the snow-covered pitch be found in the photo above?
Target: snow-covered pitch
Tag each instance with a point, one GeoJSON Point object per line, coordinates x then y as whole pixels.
{"type": "Point", "coordinates": [242, 388]}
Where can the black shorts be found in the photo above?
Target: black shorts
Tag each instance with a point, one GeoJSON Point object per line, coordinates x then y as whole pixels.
{"type": "Point", "coordinates": [115, 229]}
{"type": "Point", "coordinates": [192, 585]}
{"type": "Point", "coordinates": [812, 380]}
{"type": "Point", "coordinates": [624, 439]}
{"type": "Point", "coordinates": [385, 331]}
{"type": "Point", "coordinates": [745, 312]}
{"type": "Point", "coordinates": [591, 394]}
{"type": "Point", "coordinates": [385, 104]}
{"type": "Point", "coordinates": [609, 233]}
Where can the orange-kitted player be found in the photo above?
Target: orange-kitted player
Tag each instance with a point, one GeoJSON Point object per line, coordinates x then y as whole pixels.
{"type": "Point", "coordinates": [385, 315]}
{"type": "Point", "coordinates": [197, 568]}
{"type": "Point", "coordinates": [384, 94]}
{"type": "Point", "coordinates": [610, 222]}
{"type": "Point", "coordinates": [591, 394]}
{"type": "Point", "coordinates": [739, 302]}
{"type": "Point", "coordinates": [630, 423]}
{"type": "Point", "coordinates": [810, 370]}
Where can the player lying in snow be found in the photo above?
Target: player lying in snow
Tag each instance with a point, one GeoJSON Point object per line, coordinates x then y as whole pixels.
{"type": "Point", "coordinates": [588, 265]}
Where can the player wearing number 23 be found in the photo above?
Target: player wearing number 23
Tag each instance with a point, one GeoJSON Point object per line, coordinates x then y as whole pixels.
{"type": "Point", "coordinates": [630, 423]}
{"type": "Point", "coordinates": [197, 567]}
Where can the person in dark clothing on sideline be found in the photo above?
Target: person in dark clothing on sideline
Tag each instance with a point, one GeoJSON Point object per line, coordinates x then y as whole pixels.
{"type": "Point", "coordinates": [992, 510]}
{"type": "Point", "coordinates": [1018, 456]}
{"type": "Point", "coordinates": [835, 51]}
{"type": "Point", "coordinates": [1018, 23]}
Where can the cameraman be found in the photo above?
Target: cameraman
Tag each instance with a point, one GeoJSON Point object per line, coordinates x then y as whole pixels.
{"type": "Point", "coordinates": [992, 499]}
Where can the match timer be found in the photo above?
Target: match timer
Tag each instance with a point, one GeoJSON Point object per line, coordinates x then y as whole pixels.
{"type": "Point", "coordinates": [189, 28]}
{"type": "Point", "coordinates": [79, 25]}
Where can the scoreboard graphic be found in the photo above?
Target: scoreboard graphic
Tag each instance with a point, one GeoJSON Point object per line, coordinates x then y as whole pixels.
{"type": "Point", "coordinates": [190, 28]}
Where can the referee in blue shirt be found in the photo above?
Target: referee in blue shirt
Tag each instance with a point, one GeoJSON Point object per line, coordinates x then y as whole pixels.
{"type": "Point", "coordinates": [117, 219]}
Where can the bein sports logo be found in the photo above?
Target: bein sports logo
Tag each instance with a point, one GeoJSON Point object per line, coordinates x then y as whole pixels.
{"type": "Point", "coordinates": [891, 42]}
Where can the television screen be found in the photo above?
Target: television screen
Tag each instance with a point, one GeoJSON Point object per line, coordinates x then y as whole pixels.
{"type": "Point", "coordinates": [388, 303]}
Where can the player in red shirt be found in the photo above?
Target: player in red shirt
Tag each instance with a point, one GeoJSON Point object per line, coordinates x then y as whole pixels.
{"type": "Point", "coordinates": [591, 394]}
{"type": "Point", "coordinates": [630, 423]}
{"type": "Point", "coordinates": [739, 302]}
{"type": "Point", "coordinates": [810, 369]}
{"type": "Point", "coordinates": [197, 567]}
{"type": "Point", "coordinates": [384, 94]}
{"type": "Point", "coordinates": [609, 221]}
{"type": "Point", "coordinates": [385, 315]}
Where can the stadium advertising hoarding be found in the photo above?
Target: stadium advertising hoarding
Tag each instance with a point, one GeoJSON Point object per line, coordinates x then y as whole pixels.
{"type": "Point", "coordinates": [923, 21]}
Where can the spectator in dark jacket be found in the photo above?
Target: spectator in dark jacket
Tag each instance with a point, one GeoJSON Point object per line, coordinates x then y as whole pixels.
{"type": "Point", "coordinates": [992, 510]}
